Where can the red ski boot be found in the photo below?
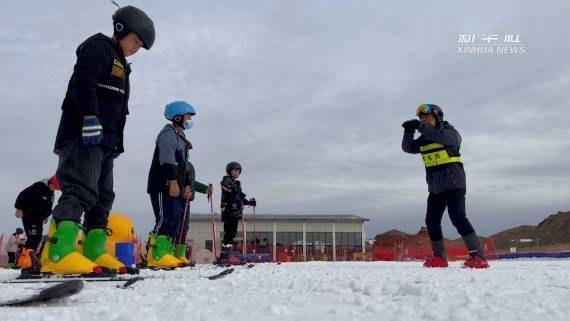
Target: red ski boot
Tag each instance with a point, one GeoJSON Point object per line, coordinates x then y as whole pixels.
{"type": "Point", "coordinates": [476, 261]}
{"type": "Point", "coordinates": [233, 260]}
{"type": "Point", "coordinates": [435, 262]}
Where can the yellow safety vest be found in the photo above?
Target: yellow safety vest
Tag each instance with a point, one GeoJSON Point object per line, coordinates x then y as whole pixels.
{"type": "Point", "coordinates": [436, 154]}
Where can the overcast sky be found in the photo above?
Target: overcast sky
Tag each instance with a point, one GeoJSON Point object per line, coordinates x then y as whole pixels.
{"type": "Point", "coordinates": [309, 97]}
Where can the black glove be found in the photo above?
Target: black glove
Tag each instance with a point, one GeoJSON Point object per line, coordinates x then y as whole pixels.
{"type": "Point", "coordinates": [411, 126]}
{"type": "Point", "coordinates": [252, 202]}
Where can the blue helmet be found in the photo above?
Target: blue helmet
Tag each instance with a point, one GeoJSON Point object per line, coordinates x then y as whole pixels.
{"type": "Point", "coordinates": [178, 108]}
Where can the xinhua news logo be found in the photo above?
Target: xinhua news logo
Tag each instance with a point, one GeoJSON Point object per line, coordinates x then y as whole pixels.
{"type": "Point", "coordinates": [506, 44]}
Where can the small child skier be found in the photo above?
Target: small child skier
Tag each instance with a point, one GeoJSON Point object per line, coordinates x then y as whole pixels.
{"type": "Point", "coordinates": [232, 202]}
{"type": "Point", "coordinates": [15, 241]}
{"type": "Point", "coordinates": [169, 184]}
{"type": "Point", "coordinates": [34, 206]}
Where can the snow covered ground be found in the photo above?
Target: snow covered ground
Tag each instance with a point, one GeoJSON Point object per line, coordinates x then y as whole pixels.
{"type": "Point", "coordinates": [536, 290]}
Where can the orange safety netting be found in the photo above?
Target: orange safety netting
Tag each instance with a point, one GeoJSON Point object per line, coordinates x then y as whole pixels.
{"type": "Point", "coordinates": [294, 252]}
{"type": "Point", "coordinates": [418, 247]}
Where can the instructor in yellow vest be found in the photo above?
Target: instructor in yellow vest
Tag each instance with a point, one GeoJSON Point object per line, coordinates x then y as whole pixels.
{"type": "Point", "coordinates": [439, 145]}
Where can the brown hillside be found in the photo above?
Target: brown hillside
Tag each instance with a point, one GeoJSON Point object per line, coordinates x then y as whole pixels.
{"type": "Point", "coordinates": [552, 231]}
{"type": "Point", "coordinates": [555, 229]}
{"type": "Point", "coordinates": [390, 234]}
{"type": "Point", "coordinates": [504, 239]}
{"type": "Point", "coordinates": [420, 237]}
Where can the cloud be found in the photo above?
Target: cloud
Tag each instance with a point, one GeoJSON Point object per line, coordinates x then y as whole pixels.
{"type": "Point", "coordinates": [309, 97]}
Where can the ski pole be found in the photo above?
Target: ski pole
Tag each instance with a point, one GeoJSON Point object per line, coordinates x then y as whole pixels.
{"type": "Point", "coordinates": [183, 222]}
{"type": "Point", "coordinates": [210, 199]}
{"type": "Point", "coordinates": [254, 234]}
{"type": "Point", "coordinates": [243, 231]}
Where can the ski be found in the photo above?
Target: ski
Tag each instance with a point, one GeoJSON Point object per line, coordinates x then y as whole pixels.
{"type": "Point", "coordinates": [130, 282]}
{"type": "Point", "coordinates": [65, 278]}
{"type": "Point", "coordinates": [221, 274]}
{"type": "Point", "coordinates": [58, 291]}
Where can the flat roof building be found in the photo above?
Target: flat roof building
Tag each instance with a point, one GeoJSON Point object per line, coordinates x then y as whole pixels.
{"type": "Point", "coordinates": [285, 237]}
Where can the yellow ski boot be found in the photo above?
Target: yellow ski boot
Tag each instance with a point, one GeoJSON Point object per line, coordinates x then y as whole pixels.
{"type": "Point", "coordinates": [59, 255]}
{"type": "Point", "coordinates": [158, 255]}
{"type": "Point", "coordinates": [180, 254]}
{"type": "Point", "coordinates": [94, 249]}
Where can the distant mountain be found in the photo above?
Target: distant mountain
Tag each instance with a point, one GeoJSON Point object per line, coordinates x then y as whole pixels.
{"type": "Point", "coordinates": [553, 230]}
{"type": "Point", "coordinates": [391, 234]}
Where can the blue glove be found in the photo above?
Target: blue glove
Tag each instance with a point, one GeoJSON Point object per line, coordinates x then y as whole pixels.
{"type": "Point", "coordinates": [92, 132]}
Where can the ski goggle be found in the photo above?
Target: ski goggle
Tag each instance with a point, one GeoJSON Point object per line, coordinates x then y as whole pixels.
{"type": "Point", "coordinates": [424, 109]}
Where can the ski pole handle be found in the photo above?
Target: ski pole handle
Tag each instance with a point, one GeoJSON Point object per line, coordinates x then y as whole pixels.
{"type": "Point", "coordinates": [210, 191]}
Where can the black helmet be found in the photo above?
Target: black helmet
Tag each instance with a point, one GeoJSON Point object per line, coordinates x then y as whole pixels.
{"type": "Point", "coordinates": [19, 230]}
{"type": "Point", "coordinates": [233, 165]}
{"type": "Point", "coordinates": [433, 109]}
{"type": "Point", "coordinates": [132, 19]}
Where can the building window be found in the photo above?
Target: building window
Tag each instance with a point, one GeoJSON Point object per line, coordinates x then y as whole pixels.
{"type": "Point", "coordinates": [358, 239]}
{"type": "Point", "coordinates": [309, 239]}
{"type": "Point", "coordinates": [349, 239]}
{"type": "Point", "coordinates": [289, 238]}
{"type": "Point", "coordinates": [208, 245]}
{"type": "Point", "coordinates": [262, 240]}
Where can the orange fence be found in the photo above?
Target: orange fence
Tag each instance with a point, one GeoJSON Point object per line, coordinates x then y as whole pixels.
{"type": "Point", "coordinates": [294, 252]}
{"type": "Point", "coordinates": [418, 247]}
{"type": "Point", "coordinates": [396, 248]}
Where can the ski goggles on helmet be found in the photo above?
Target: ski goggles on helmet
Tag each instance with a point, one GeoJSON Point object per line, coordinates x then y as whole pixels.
{"type": "Point", "coordinates": [424, 109]}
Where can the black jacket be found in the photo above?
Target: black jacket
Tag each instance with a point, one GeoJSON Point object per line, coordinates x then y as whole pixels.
{"type": "Point", "coordinates": [169, 161]}
{"type": "Point", "coordinates": [441, 178]}
{"type": "Point", "coordinates": [232, 198]}
{"type": "Point", "coordinates": [36, 201]}
{"type": "Point", "coordinates": [99, 86]}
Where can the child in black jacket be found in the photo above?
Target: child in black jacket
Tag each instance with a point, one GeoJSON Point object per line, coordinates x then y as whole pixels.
{"type": "Point", "coordinates": [233, 200]}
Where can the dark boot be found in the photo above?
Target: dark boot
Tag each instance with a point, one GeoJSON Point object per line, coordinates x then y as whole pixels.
{"type": "Point", "coordinates": [438, 249]}
{"type": "Point", "coordinates": [227, 251]}
{"type": "Point", "coordinates": [477, 259]}
{"type": "Point", "coordinates": [473, 245]}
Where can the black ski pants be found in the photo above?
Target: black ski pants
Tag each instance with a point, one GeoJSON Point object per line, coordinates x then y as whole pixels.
{"type": "Point", "coordinates": [454, 201]}
{"type": "Point", "coordinates": [11, 257]}
{"type": "Point", "coordinates": [168, 212]}
{"type": "Point", "coordinates": [34, 227]}
{"type": "Point", "coordinates": [85, 174]}
{"type": "Point", "coordinates": [230, 230]}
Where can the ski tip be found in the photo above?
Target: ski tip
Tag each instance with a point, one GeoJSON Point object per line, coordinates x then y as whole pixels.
{"type": "Point", "coordinates": [58, 291]}
{"type": "Point", "coordinates": [130, 282]}
{"type": "Point", "coordinates": [221, 274]}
